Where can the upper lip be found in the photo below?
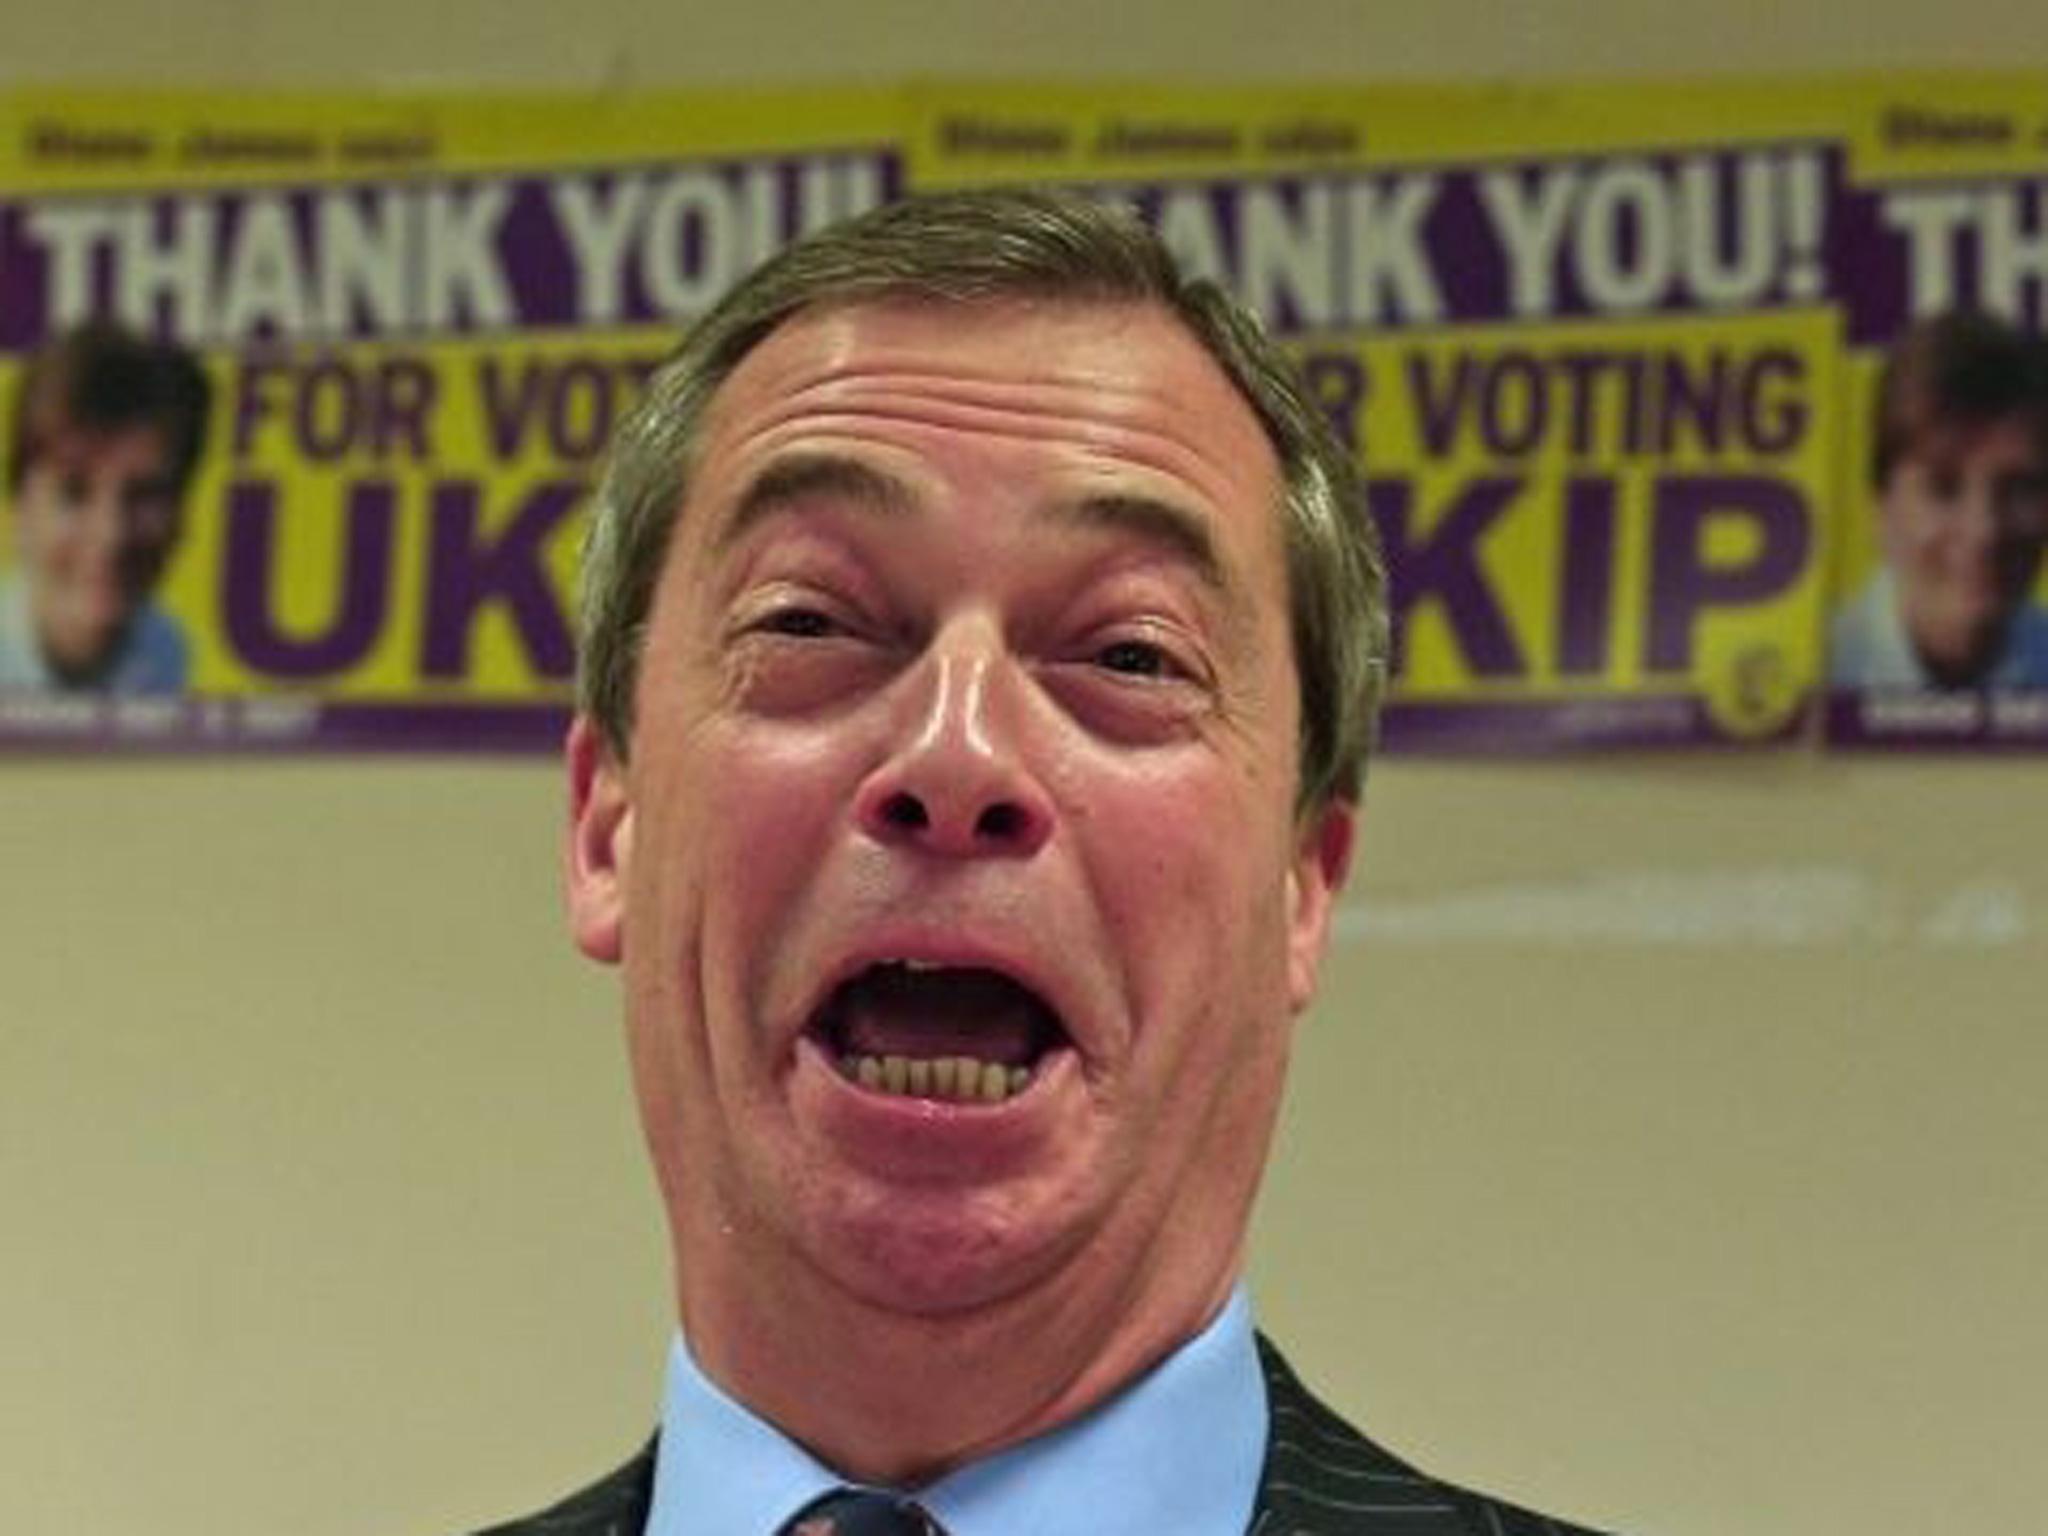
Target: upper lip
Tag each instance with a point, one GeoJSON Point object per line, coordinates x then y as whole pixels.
{"type": "Point", "coordinates": [953, 948]}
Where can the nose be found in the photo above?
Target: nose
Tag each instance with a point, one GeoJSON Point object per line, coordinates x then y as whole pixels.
{"type": "Point", "coordinates": [101, 522]}
{"type": "Point", "coordinates": [958, 783]}
{"type": "Point", "coordinates": [1979, 506]}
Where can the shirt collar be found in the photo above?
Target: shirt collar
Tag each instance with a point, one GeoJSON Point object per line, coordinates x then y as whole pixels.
{"type": "Point", "coordinates": [1179, 1449]}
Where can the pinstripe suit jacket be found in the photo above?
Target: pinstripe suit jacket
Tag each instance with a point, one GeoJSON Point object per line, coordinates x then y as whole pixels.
{"type": "Point", "coordinates": [1321, 1478]}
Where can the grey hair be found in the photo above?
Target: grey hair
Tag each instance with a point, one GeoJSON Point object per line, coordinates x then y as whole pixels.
{"type": "Point", "coordinates": [977, 247]}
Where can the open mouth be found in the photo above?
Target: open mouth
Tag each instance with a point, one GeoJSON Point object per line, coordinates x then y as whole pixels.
{"type": "Point", "coordinates": [954, 1034]}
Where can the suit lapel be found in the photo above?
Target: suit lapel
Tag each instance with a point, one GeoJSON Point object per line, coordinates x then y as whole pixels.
{"type": "Point", "coordinates": [1322, 1478]}
{"type": "Point", "coordinates": [617, 1506]}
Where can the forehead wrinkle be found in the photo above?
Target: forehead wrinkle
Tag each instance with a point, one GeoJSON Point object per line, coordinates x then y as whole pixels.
{"type": "Point", "coordinates": [1138, 422]}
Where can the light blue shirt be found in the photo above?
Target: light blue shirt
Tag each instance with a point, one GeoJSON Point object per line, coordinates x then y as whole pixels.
{"type": "Point", "coordinates": [1178, 1450]}
{"type": "Point", "coordinates": [1868, 646]}
{"type": "Point", "coordinates": [152, 657]}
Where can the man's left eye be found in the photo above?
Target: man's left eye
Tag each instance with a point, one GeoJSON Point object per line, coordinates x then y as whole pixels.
{"type": "Point", "coordinates": [1135, 658]}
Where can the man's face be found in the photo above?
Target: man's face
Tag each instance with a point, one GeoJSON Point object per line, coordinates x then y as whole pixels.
{"type": "Point", "coordinates": [95, 519]}
{"type": "Point", "coordinates": [1963, 520]}
{"type": "Point", "coordinates": [966, 733]}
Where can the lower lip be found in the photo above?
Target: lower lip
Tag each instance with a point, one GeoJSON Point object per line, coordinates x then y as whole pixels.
{"type": "Point", "coordinates": [932, 1140]}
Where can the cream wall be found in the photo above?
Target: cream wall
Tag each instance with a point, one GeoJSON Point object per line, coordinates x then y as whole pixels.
{"type": "Point", "coordinates": [1665, 1150]}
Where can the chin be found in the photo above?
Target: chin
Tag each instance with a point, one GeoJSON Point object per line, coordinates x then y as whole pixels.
{"type": "Point", "coordinates": [934, 1254]}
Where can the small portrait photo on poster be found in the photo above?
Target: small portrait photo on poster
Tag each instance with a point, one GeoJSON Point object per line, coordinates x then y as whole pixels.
{"type": "Point", "coordinates": [103, 434]}
{"type": "Point", "coordinates": [1958, 475]}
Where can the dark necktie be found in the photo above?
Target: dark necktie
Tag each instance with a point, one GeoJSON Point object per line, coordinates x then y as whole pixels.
{"type": "Point", "coordinates": [854, 1512]}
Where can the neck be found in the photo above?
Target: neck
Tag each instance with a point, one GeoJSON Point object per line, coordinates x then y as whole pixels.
{"type": "Point", "coordinates": [900, 1399]}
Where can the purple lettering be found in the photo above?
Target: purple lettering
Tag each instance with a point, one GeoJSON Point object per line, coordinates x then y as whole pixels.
{"type": "Point", "coordinates": [1439, 405]}
{"type": "Point", "coordinates": [253, 631]}
{"type": "Point", "coordinates": [253, 402]}
{"type": "Point", "coordinates": [407, 392]}
{"type": "Point", "coordinates": [1683, 585]}
{"type": "Point", "coordinates": [340, 408]}
{"type": "Point", "coordinates": [1444, 565]}
{"type": "Point", "coordinates": [1696, 400]}
{"type": "Point", "coordinates": [1515, 406]}
{"type": "Point", "coordinates": [580, 418]}
{"type": "Point", "coordinates": [1775, 420]}
{"type": "Point", "coordinates": [573, 403]}
{"type": "Point", "coordinates": [1585, 616]}
{"type": "Point", "coordinates": [330, 410]}
{"type": "Point", "coordinates": [467, 570]}
{"type": "Point", "coordinates": [510, 407]}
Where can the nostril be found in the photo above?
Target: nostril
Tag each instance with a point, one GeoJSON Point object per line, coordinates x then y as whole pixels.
{"type": "Point", "coordinates": [905, 811]}
{"type": "Point", "coordinates": [950, 822]}
{"type": "Point", "coordinates": [1000, 822]}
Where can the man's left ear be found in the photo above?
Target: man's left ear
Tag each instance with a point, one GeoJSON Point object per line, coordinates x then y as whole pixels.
{"type": "Point", "coordinates": [1322, 861]}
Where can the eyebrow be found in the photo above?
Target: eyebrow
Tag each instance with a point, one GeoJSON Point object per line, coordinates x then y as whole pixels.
{"type": "Point", "coordinates": [780, 485]}
{"type": "Point", "coordinates": [1165, 524]}
{"type": "Point", "coordinates": [787, 481]}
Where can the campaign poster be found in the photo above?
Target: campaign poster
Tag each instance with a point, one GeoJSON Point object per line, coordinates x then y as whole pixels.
{"type": "Point", "coordinates": [1938, 629]}
{"type": "Point", "coordinates": [304, 395]}
{"type": "Point", "coordinates": [1581, 338]}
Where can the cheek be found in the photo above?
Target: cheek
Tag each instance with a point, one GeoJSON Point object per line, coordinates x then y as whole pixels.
{"type": "Point", "coordinates": [1195, 918]}
{"type": "Point", "coordinates": [1925, 561]}
{"type": "Point", "coordinates": [1904, 528]}
{"type": "Point", "coordinates": [39, 534]}
{"type": "Point", "coordinates": [683, 892]}
{"type": "Point", "coordinates": [764, 806]}
{"type": "Point", "coordinates": [1192, 880]}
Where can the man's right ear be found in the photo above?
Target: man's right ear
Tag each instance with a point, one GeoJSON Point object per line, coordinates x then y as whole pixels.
{"type": "Point", "coordinates": [599, 844]}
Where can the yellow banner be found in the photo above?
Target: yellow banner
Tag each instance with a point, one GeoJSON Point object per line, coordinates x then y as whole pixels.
{"type": "Point", "coordinates": [1580, 338]}
{"type": "Point", "coordinates": [315, 387]}
{"type": "Point", "coordinates": [1688, 411]}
